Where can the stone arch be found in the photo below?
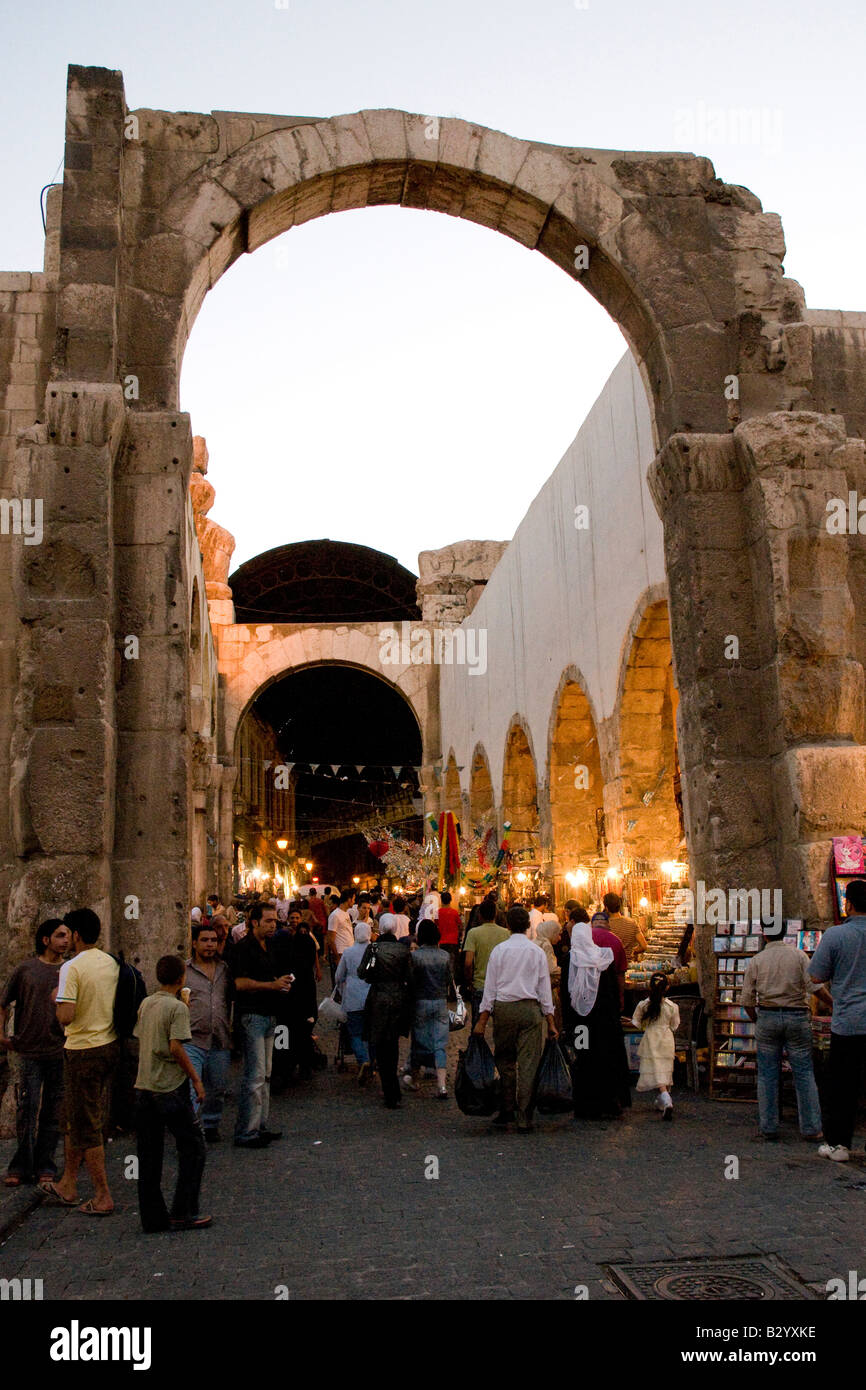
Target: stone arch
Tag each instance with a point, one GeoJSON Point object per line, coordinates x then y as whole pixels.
{"type": "Point", "coordinates": [575, 780]}
{"type": "Point", "coordinates": [452, 795]}
{"type": "Point", "coordinates": [664, 238]}
{"type": "Point", "coordinates": [646, 820]}
{"type": "Point", "coordinates": [482, 802]}
{"type": "Point", "coordinates": [520, 790]}
{"type": "Point", "coordinates": [275, 650]}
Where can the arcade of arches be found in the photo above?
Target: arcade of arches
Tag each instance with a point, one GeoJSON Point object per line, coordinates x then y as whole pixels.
{"type": "Point", "coordinates": [124, 692]}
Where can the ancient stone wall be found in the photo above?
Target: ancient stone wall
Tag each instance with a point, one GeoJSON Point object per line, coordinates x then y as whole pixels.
{"type": "Point", "coordinates": [752, 409]}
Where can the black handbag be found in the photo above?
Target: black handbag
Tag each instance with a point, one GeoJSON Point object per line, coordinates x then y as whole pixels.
{"type": "Point", "coordinates": [367, 968]}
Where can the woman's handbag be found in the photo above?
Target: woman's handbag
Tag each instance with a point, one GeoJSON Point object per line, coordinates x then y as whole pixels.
{"type": "Point", "coordinates": [457, 1017]}
{"type": "Point", "coordinates": [331, 1014]}
{"type": "Point", "coordinates": [367, 968]}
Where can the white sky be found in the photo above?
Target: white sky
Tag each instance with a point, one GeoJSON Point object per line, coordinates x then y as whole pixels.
{"type": "Point", "coordinates": [400, 378]}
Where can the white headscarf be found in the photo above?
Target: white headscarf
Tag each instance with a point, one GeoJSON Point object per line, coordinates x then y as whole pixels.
{"type": "Point", "coordinates": [196, 914]}
{"type": "Point", "coordinates": [586, 962]}
{"type": "Point", "coordinates": [430, 908]}
{"type": "Point", "coordinates": [363, 931]}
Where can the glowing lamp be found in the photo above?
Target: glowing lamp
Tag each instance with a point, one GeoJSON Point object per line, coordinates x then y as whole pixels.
{"type": "Point", "coordinates": [308, 865]}
{"type": "Point", "coordinates": [356, 879]}
{"type": "Point", "coordinates": [582, 876]}
{"type": "Point", "coordinates": [644, 902]}
{"type": "Point", "coordinates": [282, 844]}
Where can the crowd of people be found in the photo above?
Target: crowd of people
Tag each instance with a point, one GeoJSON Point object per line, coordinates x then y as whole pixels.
{"type": "Point", "coordinates": [396, 968]}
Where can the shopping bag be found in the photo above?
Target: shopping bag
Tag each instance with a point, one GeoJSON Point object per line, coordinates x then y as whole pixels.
{"type": "Point", "coordinates": [331, 1014]}
{"type": "Point", "coordinates": [457, 1017]}
{"type": "Point", "coordinates": [476, 1086]}
{"type": "Point", "coordinates": [552, 1095]}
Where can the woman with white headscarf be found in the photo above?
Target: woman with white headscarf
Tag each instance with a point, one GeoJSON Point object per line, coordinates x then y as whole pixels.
{"type": "Point", "coordinates": [354, 996]}
{"type": "Point", "coordinates": [591, 1004]}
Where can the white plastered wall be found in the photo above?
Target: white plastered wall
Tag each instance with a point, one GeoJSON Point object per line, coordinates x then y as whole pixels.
{"type": "Point", "coordinates": [562, 596]}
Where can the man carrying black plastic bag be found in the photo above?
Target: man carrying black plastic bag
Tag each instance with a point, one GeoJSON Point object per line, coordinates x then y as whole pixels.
{"type": "Point", "coordinates": [553, 1094]}
{"type": "Point", "coordinates": [517, 993]}
{"type": "Point", "coordinates": [476, 1087]}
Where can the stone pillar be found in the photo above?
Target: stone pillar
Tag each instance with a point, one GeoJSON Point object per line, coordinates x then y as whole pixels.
{"type": "Point", "coordinates": [225, 884]}
{"type": "Point", "coordinates": [797, 463]}
{"type": "Point", "coordinates": [152, 851]}
{"type": "Point", "coordinates": [771, 702]}
{"type": "Point", "coordinates": [63, 741]}
{"type": "Point", "coordinates": [726, 705]}
{"type": "Point", "coordinates": [91, 230]}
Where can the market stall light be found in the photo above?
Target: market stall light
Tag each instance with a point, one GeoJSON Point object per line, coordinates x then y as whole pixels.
{"type": "Point", "coordinates": [582, 876]}
{"type": "Point", "coordinates": [462, 891]}
{"type": "Point", "coordinates": [644, 902]}
{"type": "Point", "coordinates": [571, 878]}
{"type": "Point", "coordinates": [356, 879]}
{"type": "Point", "coordinates": [282, 844]}
{"type": "Point", "coordinates": [308, 865]}
{"type": "Point", "coordinates": [521, 877]}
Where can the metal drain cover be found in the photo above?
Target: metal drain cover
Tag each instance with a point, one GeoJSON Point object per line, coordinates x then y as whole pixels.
{"type": "Point", "coordinates": [752, 1277]}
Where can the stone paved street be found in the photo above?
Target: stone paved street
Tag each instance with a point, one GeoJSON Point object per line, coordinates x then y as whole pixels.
{"type": "Point", "coordinates": [341, 1208]}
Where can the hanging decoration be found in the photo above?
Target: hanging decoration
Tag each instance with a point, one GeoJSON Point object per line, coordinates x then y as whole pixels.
{"type": "Point", "coordinates": [402, 859]}
{"type": "Point", "coordinates": [449, 859]}
{"type": "Point", "coordinates": [483, 861]}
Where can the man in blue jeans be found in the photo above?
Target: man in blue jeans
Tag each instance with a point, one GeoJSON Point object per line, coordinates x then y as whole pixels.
{"type": "Point", "coordinates": [210, 993]}
{"type": "Point", "coordinates": [775, 995]}
{"type": "Point", "coordinates": [38, 1045]}
{"type": "Point", "coordinates": [841, 960]}
{"type": "Point", "coordinates": [257, 986]}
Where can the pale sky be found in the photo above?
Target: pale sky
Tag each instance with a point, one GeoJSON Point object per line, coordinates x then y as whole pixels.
{"type": "Point", "coordinates": [404, 379]}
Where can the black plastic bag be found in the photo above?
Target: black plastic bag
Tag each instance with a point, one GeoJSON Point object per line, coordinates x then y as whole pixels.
{"type": "Point", "coordinates": [476, 1086]}
{"type": "Point", "coordinates": [553, 1095]}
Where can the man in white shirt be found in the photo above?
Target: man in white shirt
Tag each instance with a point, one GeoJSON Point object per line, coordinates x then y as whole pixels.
{"type": "Point", "coordinates": [517, 993]}
{"type": "Point", "coordinates": [539, 912]}
{"type": "Point", "coordinates": [341, 930]}
{"type": "Point", "coordinates": [396, 921]}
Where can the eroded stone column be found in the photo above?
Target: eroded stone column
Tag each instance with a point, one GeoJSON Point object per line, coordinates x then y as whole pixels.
{"type": "Point", "coordinates": [63, 742]}
{"type": "Point", "coordinates": [152, 849]}
{"type": "Point", "coordinates": [722, 652]}
{"type": "Point", "coordinates": [796, 463]}
{"type": "Point", "coordinates": [771, 714]}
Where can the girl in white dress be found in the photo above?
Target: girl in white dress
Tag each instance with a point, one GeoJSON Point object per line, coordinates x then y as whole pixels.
{"type": "Point", "coordinates": [659, 1018]}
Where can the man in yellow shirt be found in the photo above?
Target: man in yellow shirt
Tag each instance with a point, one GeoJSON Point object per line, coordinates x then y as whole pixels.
{"type": "Point", "coordinates": [85, 1008]}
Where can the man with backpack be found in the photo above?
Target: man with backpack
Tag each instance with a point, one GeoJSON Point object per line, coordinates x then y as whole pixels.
{"type": "Point", "coordinates": [85, 1009]}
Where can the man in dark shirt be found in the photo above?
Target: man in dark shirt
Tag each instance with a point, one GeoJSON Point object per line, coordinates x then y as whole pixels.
{"type": "Point", "coordinates": [38, 1046]}
{"type": "Point", "coordinates": [210, 992]}
{"type": "Point", "coordinates": [257, 986]}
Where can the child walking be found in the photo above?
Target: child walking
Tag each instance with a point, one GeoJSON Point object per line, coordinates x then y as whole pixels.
{"type": "Point", "coordinates": [164, 1103]}
{"type": "Point", "coordinates": [659, 1018]}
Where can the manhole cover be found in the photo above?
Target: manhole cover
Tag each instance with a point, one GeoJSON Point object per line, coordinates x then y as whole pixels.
{"type": "Point", "coordinates": [752, 1277]}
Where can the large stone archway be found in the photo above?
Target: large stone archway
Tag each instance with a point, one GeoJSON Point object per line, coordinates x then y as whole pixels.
{"type": "Point", "coordinates": [482, 801]}
{"type": "Point", "coordinates": [575, 781]}
{"type": "Point", "coordinates": [155, 207]}
{"type": "Point", "coordinates": [640, 806]}
{"type": "Point", "coordinates": [520, 793]}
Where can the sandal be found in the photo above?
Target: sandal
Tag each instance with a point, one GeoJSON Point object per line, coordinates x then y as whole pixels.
{"type": "Point", "coordinates": [88, 1209]}
{"type": "Point", "coordinates": [56, 1199]}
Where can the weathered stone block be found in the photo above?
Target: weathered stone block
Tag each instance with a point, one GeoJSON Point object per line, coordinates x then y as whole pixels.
{"type": "Point", "coordinates": [821, 791]}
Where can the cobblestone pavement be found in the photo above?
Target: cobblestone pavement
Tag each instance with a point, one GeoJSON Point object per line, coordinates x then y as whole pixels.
{"type": "Point", "coordinates": [341, 1207]}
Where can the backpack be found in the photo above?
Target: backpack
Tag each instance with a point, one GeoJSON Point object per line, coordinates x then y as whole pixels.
{"type": "Point", "coordinates": [128, 995]}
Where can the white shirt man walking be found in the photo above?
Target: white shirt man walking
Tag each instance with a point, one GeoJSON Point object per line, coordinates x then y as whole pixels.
{"type": "Point", "coordinates": [517, 993]}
